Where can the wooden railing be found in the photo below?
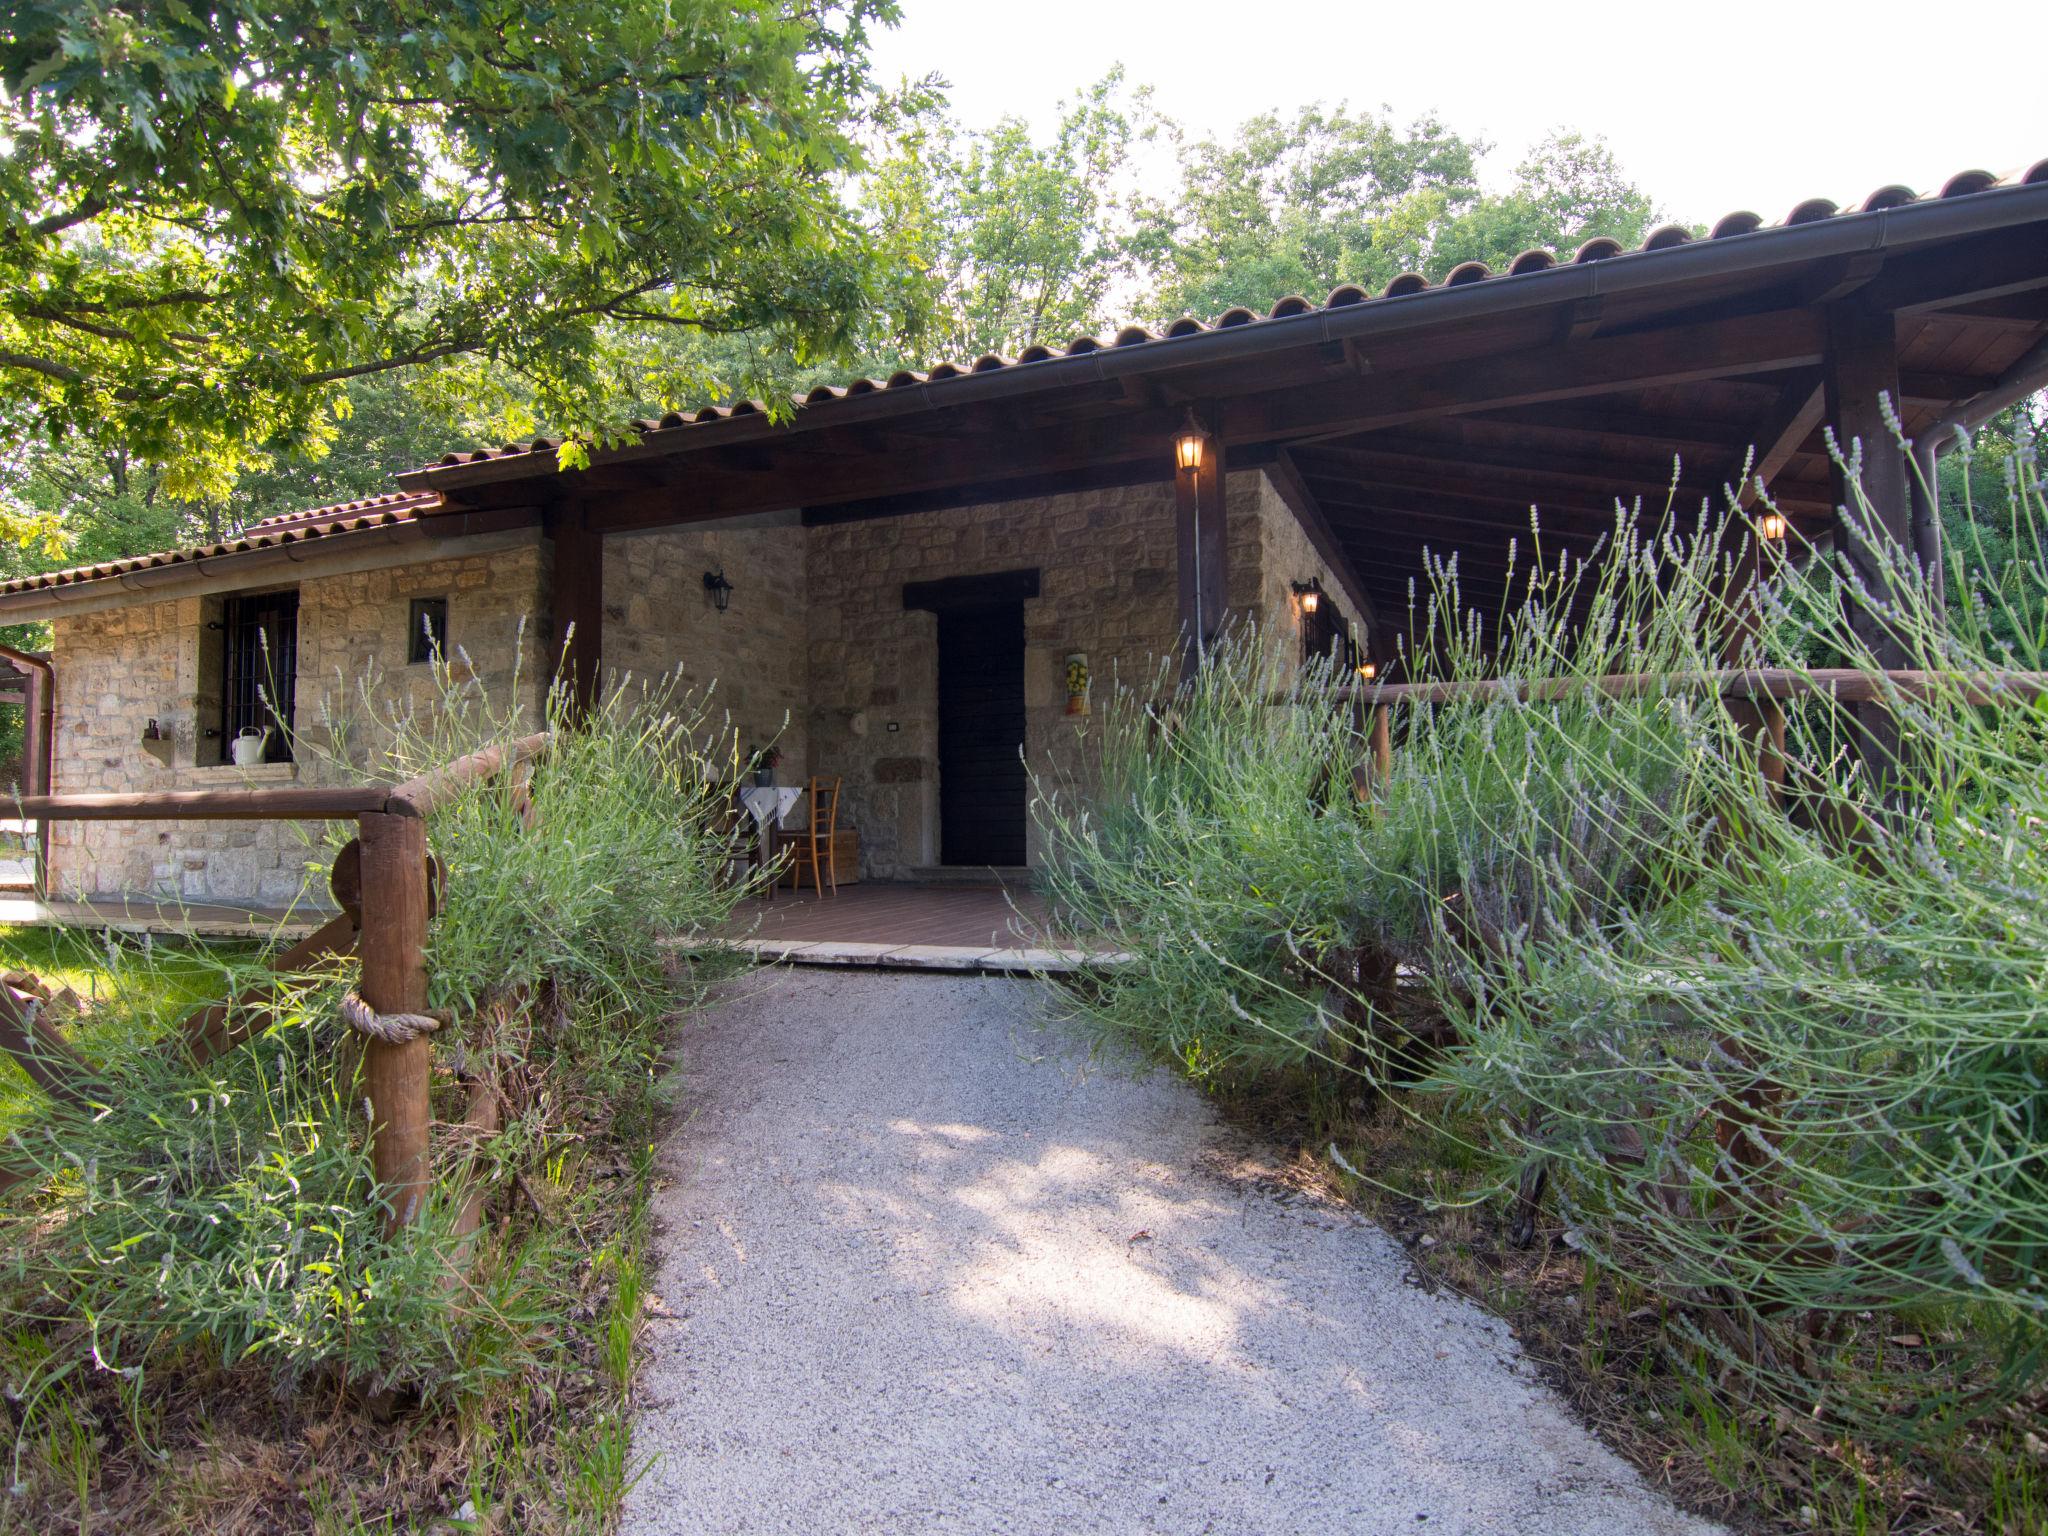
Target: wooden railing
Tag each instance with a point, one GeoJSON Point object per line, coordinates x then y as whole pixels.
{"type": "Point", "coordinates": [383, 883]}
{"type": "Point", "coordinates": [1761, 690]}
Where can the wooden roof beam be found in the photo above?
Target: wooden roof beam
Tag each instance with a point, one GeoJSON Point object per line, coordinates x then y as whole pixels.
{"type": "Point", "coordinates": [1968, 271]}
{"type": "Point", "coordinates": [1505, 484]}
{"type": "Point", "coordinates": [1794, 418]}
{"type": "Point", "coordinates": [1760, 343]}
{"type": "Point", "coordinates": [805, 481]}
{"type": "Point", "coordinates": [1665, 434]}
{"type": "Point", "coordinates": [1405, 520]}
{"type": "Point", "coordinates": [1409, 458]}
{"type": "Point", "coordinates": [1506, 512]}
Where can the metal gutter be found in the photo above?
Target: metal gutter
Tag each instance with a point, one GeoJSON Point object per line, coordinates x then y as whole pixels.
{"type": "Point", "coordinates": [2027, 376]}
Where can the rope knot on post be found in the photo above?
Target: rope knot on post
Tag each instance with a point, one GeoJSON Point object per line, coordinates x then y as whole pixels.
{"type": "Point", "coordinates": [391, 1028]}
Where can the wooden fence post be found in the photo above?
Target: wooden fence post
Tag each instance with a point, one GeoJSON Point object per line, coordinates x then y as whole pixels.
{"type": "Point", "coordinates": [44, 1054]}
{"type": "Point", "coordinates": [1382, 743]}
{"type": "Point", "coordinates": [392, 944]}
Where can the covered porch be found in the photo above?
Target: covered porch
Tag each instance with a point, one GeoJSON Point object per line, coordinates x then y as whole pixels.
{"type": "Point", "coordinates": [1428, 420]}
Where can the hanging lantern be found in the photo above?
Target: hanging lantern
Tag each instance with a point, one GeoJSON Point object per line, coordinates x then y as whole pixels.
{"type": "Point", "coordinates": [719, 588]}
{"type": "Point", "coordinates": [1187, 447]}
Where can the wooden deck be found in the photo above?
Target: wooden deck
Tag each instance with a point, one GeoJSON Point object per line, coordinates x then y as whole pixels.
{"type": "Point", "coordinates": [906, 927]}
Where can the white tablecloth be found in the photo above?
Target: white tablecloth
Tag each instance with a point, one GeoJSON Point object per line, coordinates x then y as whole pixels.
{"type": "Point", "coordinates": [769, 804]}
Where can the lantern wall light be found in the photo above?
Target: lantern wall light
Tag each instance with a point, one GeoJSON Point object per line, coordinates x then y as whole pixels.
{"type": "Point", "coordinates": [1309, 594]}
{"type": "Point", "coordinates": [719, 588]}
{"type": "Point", "coordinates": [1187, 446]}
{"type": "Point", "coordinates": [1772, 526]}
{"type": "Point", "coordinates": [1367, 671]}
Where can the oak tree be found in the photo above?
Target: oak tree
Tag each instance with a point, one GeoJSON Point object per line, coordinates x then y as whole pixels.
{"type": "Point", "coordinates": [213, 217]}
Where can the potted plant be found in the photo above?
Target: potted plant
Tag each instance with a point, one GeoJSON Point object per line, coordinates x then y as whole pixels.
{"type": "Point", "coordinates": [764, 760]}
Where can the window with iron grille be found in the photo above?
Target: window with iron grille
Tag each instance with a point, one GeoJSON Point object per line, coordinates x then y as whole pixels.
{"type": "Point", "coordinates": [429, 629]}
{"type": "Point", "coordinates": [259, 670]}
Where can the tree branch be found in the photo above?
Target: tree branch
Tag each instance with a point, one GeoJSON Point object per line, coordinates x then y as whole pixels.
{"type": "Point", "coordinates": [63, 373]}
{"type": "Point", "coordinates": [90, 208]}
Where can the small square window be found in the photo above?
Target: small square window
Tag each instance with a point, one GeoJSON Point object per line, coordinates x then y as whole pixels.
{"type": "Point", "coordinates": [429, 629]}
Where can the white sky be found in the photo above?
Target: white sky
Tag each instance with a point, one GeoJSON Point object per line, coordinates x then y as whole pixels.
{"type": "Point", "coordinates": [1753, 104]}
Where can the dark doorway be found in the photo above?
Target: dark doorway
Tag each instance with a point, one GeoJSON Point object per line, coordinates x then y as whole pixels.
{"type": "Point", "coordinates": [981, 736]}
{"type": "Point", "coordinates": [982, 783]}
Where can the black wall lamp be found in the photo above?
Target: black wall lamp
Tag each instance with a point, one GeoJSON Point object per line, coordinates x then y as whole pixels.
{"type": "Point", "coordinates": [719, 588]}
{"type": "Point", "coordinates": [1309, 594]}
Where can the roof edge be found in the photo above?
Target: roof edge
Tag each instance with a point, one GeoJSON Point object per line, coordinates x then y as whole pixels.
{"type": "Point", "coordinates": [1845, 234]}
{"type": "Point", "coordinates": [162, 578]}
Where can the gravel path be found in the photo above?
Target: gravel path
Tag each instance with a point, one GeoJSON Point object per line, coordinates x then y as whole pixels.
{"type": "Point", "coordinates": [923, 1268]}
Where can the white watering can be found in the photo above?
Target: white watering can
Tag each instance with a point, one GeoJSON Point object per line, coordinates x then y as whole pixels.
{"type": "Point", "coordinates": [247, 747]}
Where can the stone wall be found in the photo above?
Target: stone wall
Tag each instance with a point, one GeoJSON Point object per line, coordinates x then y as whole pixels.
{"type": "Point", "coordinates": [1107, 589]}
{"type": "Point", "coordinates": [659, 619]}
{"type": "Point", "coordinates": [1285, 557]}
{"type": "Point", "coordinates": [816, 652]}
{"type": "Point", "coordinates": [118, 668]}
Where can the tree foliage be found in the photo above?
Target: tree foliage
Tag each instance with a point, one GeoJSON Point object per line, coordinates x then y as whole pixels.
{"type": "Point", "coordinates": [1020, 241]}
{"type": "Point", "coordinates": [1336, 196]}
{"type": "Point", "coordinates": [1027, 238]}
{"type": "Point", "coordinates": [1993, 552]}
{"type": "Point", "coordinates": [212, 218]}
{"type": "Point", "coordinates": [257, 258]}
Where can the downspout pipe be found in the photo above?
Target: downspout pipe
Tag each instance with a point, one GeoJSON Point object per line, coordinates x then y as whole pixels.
{"type": "Point", "coordinates": [2027, 376]}
{"type": "Point", "coordinates": [39, 744]}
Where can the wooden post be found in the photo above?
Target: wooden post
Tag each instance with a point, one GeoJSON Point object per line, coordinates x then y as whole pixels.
{"type": "Point", "coordinates": [396, 1077]}
{"type": "Point", "coordinates": [1926, 490]}
{"type": "Point", "coordinates": [1758, 717]}
{"type": "Point", "coordinates": [44, 1054]}
{"type": "Point", "coordinates": [1861, 374]}
{"type": "Point", "coordinates": [1202, 549]}
{"type": "Point", "coordinates": [578, 602]}
{"type": "Point", "coordinates": [39, 757]}
{"type": "Point", "coordinates": [1382, 743]}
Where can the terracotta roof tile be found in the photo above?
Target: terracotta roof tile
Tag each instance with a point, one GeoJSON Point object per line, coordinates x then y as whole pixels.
{"type": "Point", "coordinates": [271, 532]}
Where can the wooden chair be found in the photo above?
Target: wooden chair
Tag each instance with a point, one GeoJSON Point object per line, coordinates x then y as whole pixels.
{"type": "Point", "coordinates": [812, 847]}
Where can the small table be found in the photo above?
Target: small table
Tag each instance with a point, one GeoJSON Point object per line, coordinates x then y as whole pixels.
{"type": "Point", "coordinates": [768, 804]}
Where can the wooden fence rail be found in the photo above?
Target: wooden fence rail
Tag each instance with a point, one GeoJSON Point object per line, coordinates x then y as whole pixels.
{"type": "Point", "coordinates": [1844, 684]}
{"type": "Point", "coordinates": [382, 883]}
{"type": "Point", "coordinates": [1754, 696]}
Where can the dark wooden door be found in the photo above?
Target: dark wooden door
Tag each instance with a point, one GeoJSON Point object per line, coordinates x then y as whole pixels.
{"type": "Point", "coordinates": [981, 735]}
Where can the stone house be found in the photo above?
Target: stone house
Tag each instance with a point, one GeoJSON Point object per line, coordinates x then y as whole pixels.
{"type": "Point", "coordinates": [912, 584]}
{"type": "Point", "coordinates": [814, 652]}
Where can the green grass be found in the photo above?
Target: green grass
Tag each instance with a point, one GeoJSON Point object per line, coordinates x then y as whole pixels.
{"type": "Point", "coordinates": [204, 1319]}
{"type": "Point", "coordinates": [134, 989]}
